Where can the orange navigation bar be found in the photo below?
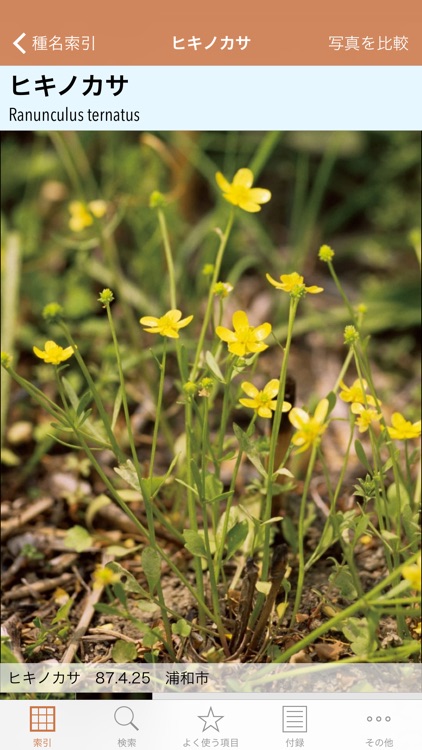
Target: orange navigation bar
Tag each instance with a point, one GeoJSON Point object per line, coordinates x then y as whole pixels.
{"type": "Point", "coordinates": [229, 32]}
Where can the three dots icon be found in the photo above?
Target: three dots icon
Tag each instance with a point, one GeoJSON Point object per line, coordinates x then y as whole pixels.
{"type": "Point", "coordinates": [378, 718]}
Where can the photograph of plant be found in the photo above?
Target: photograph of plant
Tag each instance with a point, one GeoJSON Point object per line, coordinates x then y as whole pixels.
{"type": "Point", "coordinates": [210, 413]}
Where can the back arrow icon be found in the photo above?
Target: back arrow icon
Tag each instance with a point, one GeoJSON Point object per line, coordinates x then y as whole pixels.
{"type": "Point", "coordinates": [17, 45]}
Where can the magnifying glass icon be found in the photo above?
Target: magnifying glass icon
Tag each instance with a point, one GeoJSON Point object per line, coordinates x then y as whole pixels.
{"type": "Point", "coordinates": [124, 716]}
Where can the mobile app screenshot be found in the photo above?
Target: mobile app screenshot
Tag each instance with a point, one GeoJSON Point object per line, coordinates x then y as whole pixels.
{"type": "Point", "coordinates": [210, 382]}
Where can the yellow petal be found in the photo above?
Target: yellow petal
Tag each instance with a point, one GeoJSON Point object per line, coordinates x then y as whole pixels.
{"type": "Point", "coordinates": [240, 320]}
{"type": "Point", "coordinates": [247, 205]}
{"type": "Point", "coordinates": [254, 348]}
{"type": "Point", "coordinates": [147, 320]}
{"type": "Point", "coordinates": [321, 410]}
{"type": "Point", "coordinates": [66, 353]}
{"type": "Point", "coordinates": [273, 281]}
{"type": "Point", "coordinates": [314, 289]}
{"type": "Point", "coordinates": [38, 352]}
{"type": "Point", "coordinates": [264, 411]}
{"type": "Point", "coordinates": [222, 182]}
{"type": "Point", "coordinates": [237, 348]}
{"type": "Point", "coordinates": [185, 321]}
{"type": "Point", "coordinates": [259, 195]}
{"type": "Point", "coordinates": [225, 334]}
{"type": "Point", "coordinates": [250, 389]}
{"type": "Point", "coordinates": [169, 332]}
{"type": "Point", "coordinates": [271, 389]}
{"type": "Point", "coordinates": [244, 178]}
{"type": "Point", "coordinates": [173, 315]}
{"type": "Point", "coordinates": [298, 417]}
{"type": "Point", "coordinates": [250, 403]}
{"type": "Point", "coordinates": [263, 331]}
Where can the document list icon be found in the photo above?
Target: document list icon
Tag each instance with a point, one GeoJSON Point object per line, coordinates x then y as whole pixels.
{"type": "Point", "coordinates": [295, 719]}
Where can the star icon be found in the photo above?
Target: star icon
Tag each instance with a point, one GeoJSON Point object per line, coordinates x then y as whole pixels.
{"type": "Point", "coordinates": [210, 720]}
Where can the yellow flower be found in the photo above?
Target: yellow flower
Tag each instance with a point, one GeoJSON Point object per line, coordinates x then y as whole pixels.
{"type": "Point", "coordinates": [81, 215]}
{"type": "Point", "coordinates": [168, 325]}
{"type": "Point", "coordinates": [403, 430]}
{"type": "Point", "coordinates": [104, 576]}
{"type": "Point", "coordinates": [53, 354]}
{"type": "Point", "coordinates": [245, 339]}
{"type": "Point", "coordinates": [356, 393]}
{"type": "Point", "coordinates": [263, 401]}
{"type": "Point", "coordinates": [366, 416]}
{"type": "Point", "coordinates": [326, 253]}
{"type": "Point", "coordinates": [222, 289]}
{"type": "Point", "coordinates": [293, 283]}
{"type": "Point", "coordinates": [309, 429]}
{"type": "Point", "coordinates": [241, 193]}
{"type": "Point", "coordinates": [412, 573]}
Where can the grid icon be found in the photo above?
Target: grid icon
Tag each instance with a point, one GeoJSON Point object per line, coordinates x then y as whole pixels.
{"type": "Point", "coordinates": [42, 719]}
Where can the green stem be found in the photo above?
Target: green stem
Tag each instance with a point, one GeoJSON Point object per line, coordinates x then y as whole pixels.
{"type": "Point", "coordinates": [362, 604]}
{"type": "Point", "coordinates": [301, 535]}
{"type": "Point", "coordinates": [218, 557]}
{"type": "Point", "coordinates": [208, 310]}
{"type": "Point", "coordinates": [274, 438]}
{"type": "Point", "coordinates": [225, 412]}
{"type": "Point", "coordinates": [46, 403]}
{"type": "Point", "coordinates": [145, 493]}
{"type": "Point", "coordinates": [169, 257]}
{"type": "Point", "coordinates": [193, 522]}
{"type": "Point", "coordinates": [342, 294]}
{"type": "Point", "coordinates": [158, 413]}
{"type": "Point", "coordinates": [96, 396]}
{"type": "Point", "coordinates": [130, 514]}
{"type": "Point", "coordinates": [213, 578]}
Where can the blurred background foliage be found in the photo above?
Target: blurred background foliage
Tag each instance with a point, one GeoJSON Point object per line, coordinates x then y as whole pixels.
{"type": "Point", "coordinates": [356, 191]}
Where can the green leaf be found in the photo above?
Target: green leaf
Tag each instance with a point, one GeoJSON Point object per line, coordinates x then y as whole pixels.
{"type": "Point", "coordinates": [83, 403]}
{"type": "Point", "coordinates": [127, 472]}
{"type": "Point", "coordinates": [264, 587]}
{"type": "Point", "coordinates": [290, 533]}
{"type": "Point", "coordinates": [215, 369]}
{"type": "Point", "coordinates": [78, 539]}
{"type": "Point", "coordinates": [117, 550]}
{"type": "Point", "coordinates": [95, 505]}
{"type": "Point", "coordinates": [398, 498]}
{"type": "Point", "coordinates": [151, 637]}
{"type": "Point", "coordinates": [184, 364]}
{"type": "Point", "coordinates": [123, 652]}
{"type": "Point", "coordinates": [332, 398]}
{"type": "Point", "coordinates": [181, 627]}
{"type": "Point", "coordinates": [127, 579]}
{"type": "Point", "coordinates": [145, 606]}
{"type": "Point", "coordinates": [151, 564]}
{"type": "Point", "coordinates": [116, 407]}
{"type": "Point", "coordinates": [7, 656]}
{"type": "Point", "coordinates": [247, 445]}
{"type": "Point", "coordinates": [194, 543]}
{"type": "Point", "coordinates": [197, 476]}
{"type": "Point", "coordinates": [362, 456]}
{"type": "Point", "coordinates": [235, 537]}
{"type": "Point", "coordinates": [63, 612]}
{"type": "Point", "coordinates": [106, 609]}
{"type": "Point", "coordinates": [342, 579]}
{"type": "Point", "coordinates": [157, 482]}
{"type": "Point", "coordinates": [358, 632]}
{"type": "Point", "coordinates": [214, 487]}
{"type": "Point", "coordinates": [274, 519]}
{"type": "Point", "coordinates": [71, 394]}
{"type": "Point", "coordinates": [120, 594]}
